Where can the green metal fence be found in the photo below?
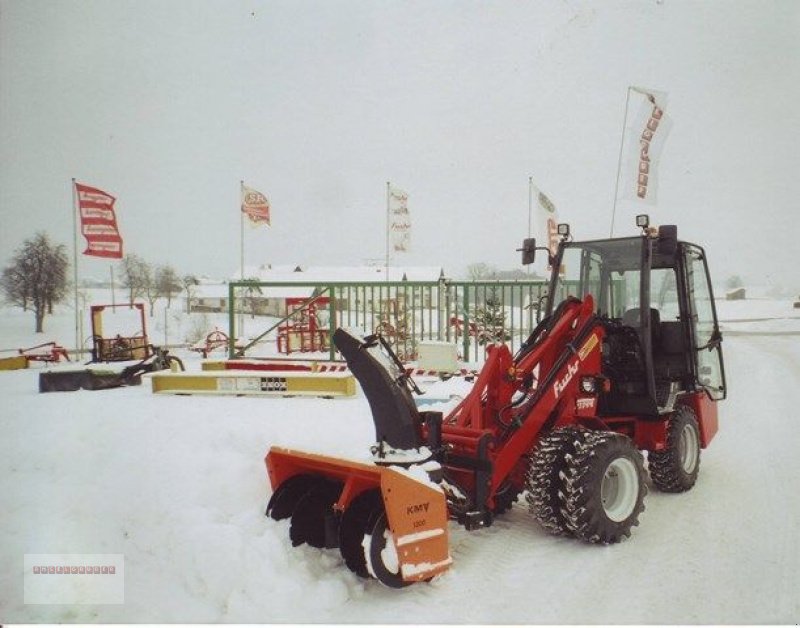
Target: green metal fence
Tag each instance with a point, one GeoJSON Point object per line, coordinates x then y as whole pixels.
{"type": "Point", "coordinates": [469, 314]}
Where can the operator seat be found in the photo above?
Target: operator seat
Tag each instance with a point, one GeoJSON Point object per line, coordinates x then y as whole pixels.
{"type": "Point", "coordinates": [633, 318]}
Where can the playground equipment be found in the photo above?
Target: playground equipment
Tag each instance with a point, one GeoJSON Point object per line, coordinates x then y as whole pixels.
{"type": "Point", "coordinates": [302, 330]}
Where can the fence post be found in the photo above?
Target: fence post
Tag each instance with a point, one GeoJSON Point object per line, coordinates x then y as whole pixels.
{"type": "Point", "coordinates": [231, 324]}
{"type": "Point", "coordinates": [332, 309]}
{"type": "Point", "coordinates": [465, 328]}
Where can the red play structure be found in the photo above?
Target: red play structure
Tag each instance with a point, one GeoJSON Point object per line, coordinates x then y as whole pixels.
{"type": "Point", "coordinates": [302, 330]}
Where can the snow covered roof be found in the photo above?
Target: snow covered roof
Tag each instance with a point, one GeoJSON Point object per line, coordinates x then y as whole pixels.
{"type": "Point", "coordinates": [322, 274]}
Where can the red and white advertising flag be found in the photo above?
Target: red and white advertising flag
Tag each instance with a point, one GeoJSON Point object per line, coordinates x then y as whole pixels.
{"type": "Point", "coordinates": [399, 220]}
{"type": "Point", "coordinates": [98, 222]}
{"type": "Point", "coordinates": [547, 220]}
{"type": "Point", "coordinates": [256, 206]}
{"type": "Point", "coordinates": [645, 135]}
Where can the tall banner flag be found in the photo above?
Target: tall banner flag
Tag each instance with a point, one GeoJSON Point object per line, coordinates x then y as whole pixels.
{"type": "Point", "coordinates": [549, 220]}
{"type": "Point", "coordinates": [256, 206]}
{"type": "Point", "coordinates": [98, 222]}
{"type": "Point", "coordinates": [645, 135]}
{"type": "Point", "coordinates": [399, 220]}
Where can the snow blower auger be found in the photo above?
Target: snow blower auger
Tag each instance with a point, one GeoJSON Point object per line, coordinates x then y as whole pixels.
{"type": "Point", "coordinates": [627, 359]}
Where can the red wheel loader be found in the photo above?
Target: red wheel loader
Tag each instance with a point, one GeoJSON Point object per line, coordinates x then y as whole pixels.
{"type": "Point", "coordinates": [627, 359]}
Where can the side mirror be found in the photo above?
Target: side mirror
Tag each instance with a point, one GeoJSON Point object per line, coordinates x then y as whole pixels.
{"type": "Point", "coordinates": [528, 251]}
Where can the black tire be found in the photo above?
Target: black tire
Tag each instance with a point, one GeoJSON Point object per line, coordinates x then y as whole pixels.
{"type": "Point", "coordinates": [544, 477]}
{"type": "Point", "coordinates": [675, 469]}
{"type": "Point", "coordinates": [603, 488]}
{"type": "Point", "coordinates": [505, 498]}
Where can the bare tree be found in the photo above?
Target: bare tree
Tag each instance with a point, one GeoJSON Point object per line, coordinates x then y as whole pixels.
{"type": "Point", "coordinates": [37, 277]}
{"type": "Point", "coordinates": [167, 283]}
{"type": "Point", "coordinates": [481, 270]}
{"type": "Point", "coordinates": [189, 283]}
{"type": "Point", "coordinates": [136, 276]}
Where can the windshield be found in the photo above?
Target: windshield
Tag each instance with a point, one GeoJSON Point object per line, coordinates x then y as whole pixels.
{"type": "Point", "coordinates": [609, 270]}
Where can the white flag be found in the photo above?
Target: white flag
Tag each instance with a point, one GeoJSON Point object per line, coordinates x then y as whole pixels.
{"type": "Point", "coordinates": [646, 134]}
{"type": "Point", "coordinates": [399, 220]}
{"type": "Point", "coordinates": [546, 221]}
{"type": "Point", "coordinates": [256, 206]}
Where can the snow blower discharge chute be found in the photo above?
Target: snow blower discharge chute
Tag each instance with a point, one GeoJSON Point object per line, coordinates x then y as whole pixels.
{"type": "Point", "coordinates": [626, 359]}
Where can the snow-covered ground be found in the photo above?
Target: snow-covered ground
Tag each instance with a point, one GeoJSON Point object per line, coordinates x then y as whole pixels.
{"type": "Point", "coordinates": [178, 486]}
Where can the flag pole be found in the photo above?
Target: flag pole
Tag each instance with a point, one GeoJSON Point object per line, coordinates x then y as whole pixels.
{"type": "Point", "coordinates": [619, 161]}
{"type": "Point", "coordinates": [241, 234]}
{"type": "Point", "coordinates": [388, 202]}
{"type": "Point", "coordinates": [530, 211]}
{"type": "Point", "coordinates": [75, 264]}
{"type": "Point", "coordinates": [241, 254]}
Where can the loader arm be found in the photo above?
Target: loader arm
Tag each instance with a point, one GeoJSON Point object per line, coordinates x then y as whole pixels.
{"type": "Point", "coordinates": [508, 408]}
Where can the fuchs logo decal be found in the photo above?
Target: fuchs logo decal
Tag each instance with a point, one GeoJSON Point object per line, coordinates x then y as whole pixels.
{"type": "Point", "coordinates": [585, 404]}
{"type": "Point", "coordinates": [561, 384]}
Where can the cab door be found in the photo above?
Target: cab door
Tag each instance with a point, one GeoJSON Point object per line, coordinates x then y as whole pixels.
{"type": "Point", "coordinates": [704, 329]}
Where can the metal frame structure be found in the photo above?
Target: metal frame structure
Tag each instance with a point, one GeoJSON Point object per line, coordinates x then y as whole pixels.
{"type": "Point", "coordinates": [407, 312]}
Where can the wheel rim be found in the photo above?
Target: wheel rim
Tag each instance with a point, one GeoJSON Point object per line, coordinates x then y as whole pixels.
{"type": "Point", "coordinates": [688, 449]}
{"type": "Point", "coordinates": [619, 490]}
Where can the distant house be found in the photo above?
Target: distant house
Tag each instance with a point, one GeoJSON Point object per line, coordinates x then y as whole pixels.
{"type": "Point", "coordinates": [271, 300]}
{"type": "Point", "coordinates": [737, 294]}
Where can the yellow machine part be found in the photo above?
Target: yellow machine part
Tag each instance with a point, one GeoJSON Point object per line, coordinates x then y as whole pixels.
{"type": "Point", "coordinates": [271, 383]}
{"type": "Point", "coordinates": [13, 363]}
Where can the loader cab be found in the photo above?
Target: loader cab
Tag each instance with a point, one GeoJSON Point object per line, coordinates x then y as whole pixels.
{"type": "Point", "coordinates": [654, 296]}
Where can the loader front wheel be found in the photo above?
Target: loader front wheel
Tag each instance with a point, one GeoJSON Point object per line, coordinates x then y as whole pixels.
{"type": "Point", "coordinates": [675, 469]}
{"type": "Point", "coordinates": [545, 477]}
{"type": "Point", "coordinates": [604, 488]}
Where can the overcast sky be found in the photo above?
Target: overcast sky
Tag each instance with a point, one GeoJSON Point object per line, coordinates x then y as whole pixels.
{"type": "Point", "coordinates": [317, 104]}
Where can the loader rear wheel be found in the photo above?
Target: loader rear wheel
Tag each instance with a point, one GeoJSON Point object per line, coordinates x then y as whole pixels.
{"type": "Point", "coordinates": [545, 477]}
{"type": "Point", "coordinates": [314, 520]}
{"type": "Point", "coordinates": [675, 469]}
{"type": "Point", "coordinates": [357, 522]}
{"type": "Point", "coordinates": [384, 563]}
{"type": "Point", "coordinates": [604, 488]}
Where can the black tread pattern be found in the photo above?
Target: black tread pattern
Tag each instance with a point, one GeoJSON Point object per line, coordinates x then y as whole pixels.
{"type": "Point", "coordinates": [665, 467]}
{"type": "Point", "coordinates": [545, 477]}
{"type": "Point", "coordinates": [581, 501]}
{"type": "Point", "coordinates": [504, 499]}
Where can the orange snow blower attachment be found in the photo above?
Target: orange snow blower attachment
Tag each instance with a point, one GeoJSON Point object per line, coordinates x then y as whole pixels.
{"type": "Point", "coordinates": [387, 521]}
{"type": "Point", "coordinates": [388, 517]}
